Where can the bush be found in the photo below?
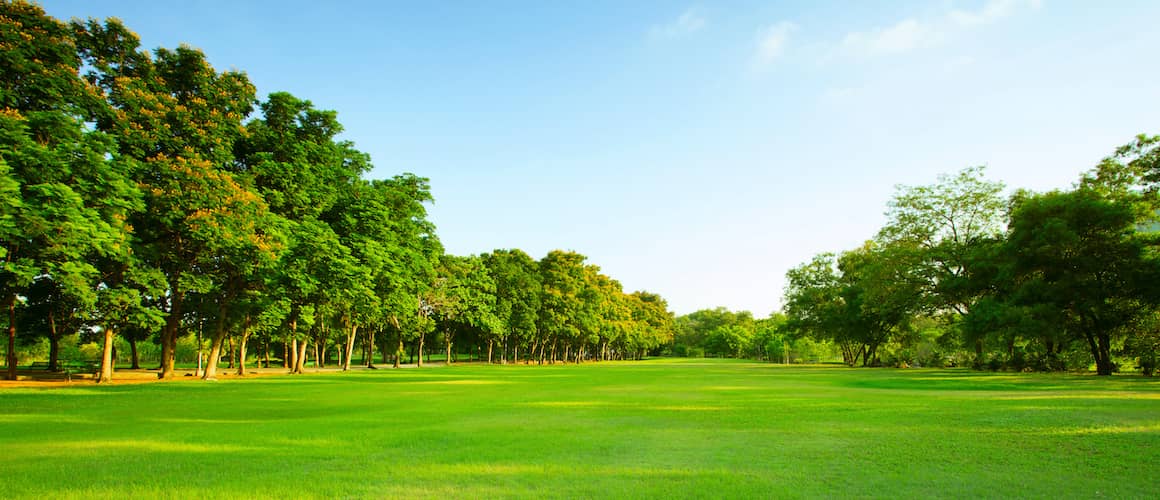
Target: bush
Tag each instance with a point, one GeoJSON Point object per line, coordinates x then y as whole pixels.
{"type": "Point", "coordinates": [1147, 365]}
{"type": "Point", "coordinates": [1018, 361]}
{"type": "Point", "coordinates": [993, 364]}
{"type": "Point", "coordinates": [901, 358]}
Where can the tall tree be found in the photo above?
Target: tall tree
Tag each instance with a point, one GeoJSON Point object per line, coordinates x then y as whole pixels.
{"type": "Point", "coordinates": [176, 119]}
{"type": "Point", "coordinates": [859, 300]}
{"type": "Point", "coordinates": [518, 292]}
{"type": "Point", "coordinates": [935, 228]}
{"type": "Point", "coordinates": [68, 201]}
{"type": "Point", "coordinates": [613, 312]}
{"type": "Point", "coordinates": [292, 157]}
{"type": "Point", "coordinates": [654, 323]}
{"type": "Point", "coordinates": [468, 298]}
{"type": "Point", "coordinates": [1081, 254]}
{"type": "Point", "coordinates": [561, 318]}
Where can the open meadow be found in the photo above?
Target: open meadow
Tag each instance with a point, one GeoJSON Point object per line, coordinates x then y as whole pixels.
{"type": "Point", "coordinates": [659, 428]}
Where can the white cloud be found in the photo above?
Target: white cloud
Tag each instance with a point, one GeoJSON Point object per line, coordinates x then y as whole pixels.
{"type": "Point", "coordinates": [688, 23]}
{"type": "Point", "coordinates": [991, 11]}
{"type": "Point", "coordinates": [771, 42]}
{"type": "Point", "coordinates": [913, 34]}
{"type": "Point", "coordinates": [905, 36]}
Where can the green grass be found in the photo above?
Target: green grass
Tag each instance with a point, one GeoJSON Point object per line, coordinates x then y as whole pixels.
{"type": "Point", "coordinates": [652, 429]}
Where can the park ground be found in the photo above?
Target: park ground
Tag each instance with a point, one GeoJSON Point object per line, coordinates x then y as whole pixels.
{"type": "Point", "coordinates": [658, 428]}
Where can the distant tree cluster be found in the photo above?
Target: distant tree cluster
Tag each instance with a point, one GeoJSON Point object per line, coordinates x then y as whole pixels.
{"type": "Point", "coordinates": [1034, 281]}
{"type": "Point", "coordinates": [962, 275]}
{"type": "Point", "coordinates": [147, 195]}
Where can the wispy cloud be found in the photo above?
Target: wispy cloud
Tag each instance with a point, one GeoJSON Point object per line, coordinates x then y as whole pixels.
{"type": "Point", "coordinates": [771, 42]}
{"type": "Point", "coordinates": [913, 34]}
{"type": "Point", "coordinates": [904, 36]}
{"type": "Point", "coordinates": [687, 23]}
{"type": "Point", "coordinates": [991, 12]}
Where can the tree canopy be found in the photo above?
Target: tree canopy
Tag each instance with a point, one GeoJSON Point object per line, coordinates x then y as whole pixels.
{"type": "Point", "coordinates": [148, 194]}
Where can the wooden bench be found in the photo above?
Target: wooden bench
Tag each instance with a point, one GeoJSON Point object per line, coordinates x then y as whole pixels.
{"type": "Point", "coordinates": [78, 367]}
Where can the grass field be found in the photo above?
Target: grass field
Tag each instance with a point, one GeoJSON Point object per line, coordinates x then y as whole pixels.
{"type": "Point", "coordinates": [651, 429]}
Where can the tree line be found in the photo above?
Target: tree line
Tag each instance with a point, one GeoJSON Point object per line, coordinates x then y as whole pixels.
{"type": "Point", "coordinates": [962, 274]}
{"type": "Point", "coordinates": [147, 195]}
{"type": "Point", "coordinates": [1030, 281]}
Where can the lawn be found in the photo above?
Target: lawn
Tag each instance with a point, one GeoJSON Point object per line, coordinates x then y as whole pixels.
{"type": "Point", "coordinates": [661, 428]}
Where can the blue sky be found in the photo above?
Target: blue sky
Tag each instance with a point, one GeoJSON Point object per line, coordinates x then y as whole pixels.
{"type": "Point", "coordinates": [697, 150]}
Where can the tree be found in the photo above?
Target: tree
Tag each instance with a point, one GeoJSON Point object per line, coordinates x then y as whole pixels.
{"type": "Point", "coordinates": [729, 340]}
{"type": "Point", "coordinates": [176, 120]}
{"type": "Point", "coordinates": [654, 324]}
{"type": "Point", "coordinates": [935, 228]}
{"type": "Point", "coordinates": [291, 156]}
{"type": "Point", "coordinates": [769, 339]}
{"type": "Point", "coordinates": [50, 311]}
{"type": "Point", "coordinates": [562, 304]}
{"type": "Point", "coordinates": [1080, 254]}
{"type": "Point", "coordinates": [66, 202]}
{"type": "Point", "coordinates": [814, 306]}
{"type": "Point", "coordinates": [612, 311]}
{"type": "Point", "coordinates": [466, 298]}
{"type": "Point", "coordinates": [518, 291]}
{"type": "Point", "coordinates": [859, 300]}
{"type": "Point", "coordinates": [707, 329]}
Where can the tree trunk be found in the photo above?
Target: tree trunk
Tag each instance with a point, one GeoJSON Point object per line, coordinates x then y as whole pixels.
{"type": "Point", "coordinates": [242, 346]}
{"type": "Point", "coordinates": [292, 352]}
{"type": "Point", "coordinates": [399, 351]}
{"type": "Point", "coordinates": [285, 355]}
{"type": "Point", "coordinates": [53, 343]}
{"type": "Point", "coordinates": [366, 352]}
{"type": "Point", "coordinates": [133, 352]}
{"type": "Point", "coordinates": [266, 349]}
{"type": "Point", "coordinates": [106, 374]}
{"type": "Point", "coordinates": [421, 338]}
{"type": "Point", "coordinates": [1102, 351]}
{"type": "Point", "coordinates": [169, 332]}
{"type": "Point", "coordinates": [219, 337]}
{"type": "Point", "coordinates": [300, 367]}
{"type": "Point", "coordinates": [296, 350]}
{"type": "Point", "coordinates": [448, 360]}
{"type": "Point", "coordinates": [233, 351]}
{"type": "Point", "coordinates": [318, 354]}
{"type": "Point", "coordinates": [349, 345]}
{"type": "Point", "coordinates": [370, 361]}
{"type": "Point", "coordinates": [490, 346]}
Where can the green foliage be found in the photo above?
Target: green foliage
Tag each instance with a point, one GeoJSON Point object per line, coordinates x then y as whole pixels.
{"type": "Point", "coordinates": [1078, 254]}
{"type": "Point", "coordinates": [517, 294]}
{"type": "Point", "coordinates": [562, 310]}
{"type": "Point", "coordinates": [140, 197]}
{"type": "Point", "coordinates": [66, 201]}
{"type": "Point", "coordinates": [860, 301]}
{"type": "Point", "coordinates": [717, 332]}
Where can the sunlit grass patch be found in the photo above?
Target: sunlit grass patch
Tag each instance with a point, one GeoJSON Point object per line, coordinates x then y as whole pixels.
{"type": "Point", "coordinates": [651, 429]}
